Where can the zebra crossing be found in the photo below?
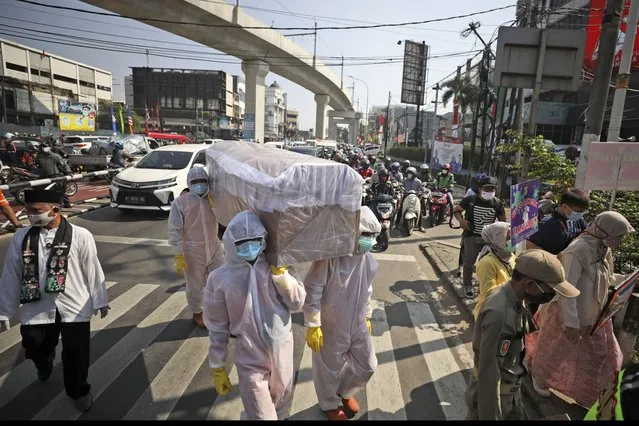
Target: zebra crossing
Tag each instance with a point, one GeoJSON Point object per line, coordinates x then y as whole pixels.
{"type": "Point", "coordinates": [149, 362]}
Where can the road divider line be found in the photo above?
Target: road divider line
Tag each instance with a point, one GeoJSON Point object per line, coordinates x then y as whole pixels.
{"type": "Point", "coordinates": [387, 405]}
{"type": "Point", "coordinates": [21, 376]}
{"type": "Point", "coordinates": [111, 364]}
{"type": "Point", "coordinates": [109, 239]}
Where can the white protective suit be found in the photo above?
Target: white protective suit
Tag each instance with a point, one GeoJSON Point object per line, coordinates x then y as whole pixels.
{"type": "Point", "coordinates": [254, 305]}
{"type": "Point", "coordinates": [193, 233]}
{"type": "Point", "coordinates": [338, 300]}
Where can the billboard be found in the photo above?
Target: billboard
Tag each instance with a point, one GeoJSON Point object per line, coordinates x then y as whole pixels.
{"type": "Point", "coordinates": [77, 116]}
{"type": "Point", "coordinates": [523, 211]}
{"type": "Point", "coordinates": [448, 153]}
{"type": "Point", "coordinates": [414, 73]}
{"type": "Point", "coordinates": [612, 166]}
{"type": "Point", "coordinates": [595, 18]}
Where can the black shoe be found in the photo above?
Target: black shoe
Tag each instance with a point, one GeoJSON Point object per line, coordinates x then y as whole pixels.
{"type": "Point", "coordinates": [84, 403]}
{"type": "Point", "coordinates": [43, 374]}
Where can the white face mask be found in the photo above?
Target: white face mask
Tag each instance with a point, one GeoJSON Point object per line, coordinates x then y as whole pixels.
{"type": "Point", "coordinates": [46, 149]}
{"type": "Point", "coordinates": [487, 195]}
{"type": "Point", "coordinates": [42, 219]}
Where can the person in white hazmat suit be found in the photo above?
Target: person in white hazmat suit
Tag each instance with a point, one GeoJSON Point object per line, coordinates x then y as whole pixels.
{"type": "Point", "coordinates": [337, 313]}
{"type": "Point", "coordinates": [193, 236]}
{"type": "Point", "coordinates": [250, 299]}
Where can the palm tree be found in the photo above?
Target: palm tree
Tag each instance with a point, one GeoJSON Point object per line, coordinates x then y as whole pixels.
{"type": "Point", "coordinates": [465, 92]}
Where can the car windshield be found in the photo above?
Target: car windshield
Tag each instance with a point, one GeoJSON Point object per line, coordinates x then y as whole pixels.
{"type": "Point", "coordinates": [169, 160]}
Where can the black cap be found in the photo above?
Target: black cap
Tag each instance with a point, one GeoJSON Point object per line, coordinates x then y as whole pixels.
{"type": "Point", "coordinates": [43, 196]}
{"type": "Point", "coordinates": [488, 180]}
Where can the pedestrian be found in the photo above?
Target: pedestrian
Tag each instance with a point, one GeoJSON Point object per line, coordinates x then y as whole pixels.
{"type": "Point", "coordinates": [494, 264]}
{"type": "Point", "coordinates": [587, 361]}
{"type": "Point", "coordinates": [53, 277]}
{"type": "Point", "coordinates": [338, 315]}
{"type": "Point", "coordinates": [480, 210]}
{"type": "Point", "coordinates": [193, 235]}
{"type": "Point", "coordinates": [52, 165]}
{"type": "Point", "coordinates": [11, 149]}
{"type": "Point", "coordinates": [494, 390]}
{"type": "Point", "coordinates": [618, 401]}
{"type": "Point", "coordinates": [253, 301]}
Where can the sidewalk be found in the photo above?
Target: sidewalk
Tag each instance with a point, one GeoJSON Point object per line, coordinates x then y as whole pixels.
{"type": "Point", "coordinates": [442, 252]}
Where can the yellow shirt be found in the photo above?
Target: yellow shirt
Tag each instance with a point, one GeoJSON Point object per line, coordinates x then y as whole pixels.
{"type": "Point", "coordinates": [491, 273]}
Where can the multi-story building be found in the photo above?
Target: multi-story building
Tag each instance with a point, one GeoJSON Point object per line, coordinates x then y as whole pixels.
{"type": "Point", "coordinates": [191, 101]}
{"type": "Point", "coordinates": [274, 112]}
{"type": "Point", "coordinates": [33, 81]}
{"type": "Point", "coordinates": [239, 97]}
{"type": "Point", "coordinates": [128, 90]}
{"type": "Point", "coordinates": [292, 121]}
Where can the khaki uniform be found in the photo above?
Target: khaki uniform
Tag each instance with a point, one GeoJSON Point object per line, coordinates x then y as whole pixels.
{"type": "Point", "coordinates": [498, 345]}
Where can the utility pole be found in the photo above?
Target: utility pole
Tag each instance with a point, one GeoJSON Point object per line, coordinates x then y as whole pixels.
{"type": "Point", "coordinates": [623, 77]}
{"type": "Point", "coordinates": [315, 44]}
{"type": "Point", "coordinates": [341, 81]}
{"type": "Point", "coordinates": [599, 93]}
{"type": "Point", "coordinates": [436, 129]}
{"type": "Point", "coordinates": [387, 124]}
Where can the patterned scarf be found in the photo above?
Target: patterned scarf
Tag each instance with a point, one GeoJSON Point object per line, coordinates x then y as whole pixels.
{"type": "Point", "coordinates": [56, 264]}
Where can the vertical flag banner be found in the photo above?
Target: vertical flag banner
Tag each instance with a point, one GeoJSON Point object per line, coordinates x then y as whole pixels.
{"type": "Point", "coordinates": [146, 119]}
{"type": "Point", "coordinates": [121, 121]}
{"type": "Point", "coordinates": [113, 120]}
{"type": "Point", "coordinates": [128, 114]}
{"type": "Point", "coordinates": [157, 107]}
{"type": "Point", "coordinates": [523, 210]}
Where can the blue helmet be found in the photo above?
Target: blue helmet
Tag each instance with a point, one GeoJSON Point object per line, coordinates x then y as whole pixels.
{"type": "Point", "coordinates": [395, 167]}
{"type": "Point", "coordinates": [480, 176]}
{"type": "Point", "coordinates": [119, 145]}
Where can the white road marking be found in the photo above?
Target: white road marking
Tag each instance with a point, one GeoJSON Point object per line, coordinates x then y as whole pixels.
{"type": "Point", "coordinates": [394, 257]}
{"type": "Point", "coordinates": [131, 241]}
{"type": "Point", "coordinates": [110, 365]}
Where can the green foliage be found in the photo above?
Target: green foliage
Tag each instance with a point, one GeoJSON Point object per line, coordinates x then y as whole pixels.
{"type": "Point", "coordinates": [409, 153]}
{"type": "Point", "coordinates": [545, 165]}
{"type": "Point", "coordinates": [103, 118]}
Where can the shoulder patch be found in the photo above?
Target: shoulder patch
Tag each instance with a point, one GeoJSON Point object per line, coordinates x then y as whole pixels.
{"type": "Point", "coordinates": [504, 345]}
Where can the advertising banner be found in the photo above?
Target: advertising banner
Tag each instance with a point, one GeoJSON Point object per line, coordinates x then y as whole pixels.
{"type": "Point", "coordinates": [594, 32]}
{"type": "Point", "coordinates": [249, 126]}
{"type": "Point", "coordinates": [617, 300]}
{"type": "Point", "coordinates": [612, 165]}
{"type": "Point", "coordinates": [77, 116]}
{"type": "Point", "coordinates": [523, 210]}
{"type": "Point", "coordinates": [447, 152]}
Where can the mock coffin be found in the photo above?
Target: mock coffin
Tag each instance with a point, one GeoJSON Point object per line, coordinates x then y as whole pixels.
{"type": "Point", "coordinates": [309, 206]}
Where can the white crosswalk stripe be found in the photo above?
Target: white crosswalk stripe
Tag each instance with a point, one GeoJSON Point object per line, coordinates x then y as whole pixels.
{"type": "Point", "coordinates": [176, 377]}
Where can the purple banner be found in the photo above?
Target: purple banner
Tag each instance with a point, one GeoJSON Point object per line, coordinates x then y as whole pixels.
{"type": "Point", "coordinates": [523, 210]}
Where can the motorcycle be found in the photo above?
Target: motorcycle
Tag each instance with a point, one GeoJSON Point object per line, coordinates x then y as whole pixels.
{"type": "Point", "coordinates": [439, 207]}
{"type": "Point", "coordinates": [384, 208]}
{"type": "Point", "coordinates": [366, 186]}
{"type": "Point", "coordinates": [18, 174]}
{"type": "Point", "coordinates": [411, 211]}
{"type": "Point", "coordinates": [424, 196]}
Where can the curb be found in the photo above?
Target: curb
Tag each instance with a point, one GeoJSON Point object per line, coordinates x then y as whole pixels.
{"type": "Point", "coordinates": [535, 406]}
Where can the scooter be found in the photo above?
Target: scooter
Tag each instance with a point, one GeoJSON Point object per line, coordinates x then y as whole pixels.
{"type": "Point", "coordinates": [439, 208]}
{"type": "Point", "coordinates": [22, 175]}
{"type": "Point", "coordinates": [411, 211]}
{"type": "Point", "coordinates": [365, 192]}
{"type": "Point", "coordinates": [424, 197]}
{"type": "Point", "coordinates": [383, 206]}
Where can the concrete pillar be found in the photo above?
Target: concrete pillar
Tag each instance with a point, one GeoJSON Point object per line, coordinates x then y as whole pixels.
{"type": "Point", "coordinates": [320, 115]}
{"type": "Point", "coordinates": [254, 72]}
{"type": "Point", "coordinates": [332, 128]}
{"type": "Point", "coordinates": [353, 131]}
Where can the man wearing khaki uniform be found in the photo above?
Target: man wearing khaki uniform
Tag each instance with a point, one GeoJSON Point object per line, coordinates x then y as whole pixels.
{"type": "Point", "coordinates": [498, 338]}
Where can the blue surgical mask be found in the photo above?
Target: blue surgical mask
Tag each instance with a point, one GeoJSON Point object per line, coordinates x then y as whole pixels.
{"type": "Point", "coordinates": [365, 244]}
{"type": "Point", "coordinates": [576, 216]}
{"type": "Point", "coordinates": [200, 188]}
{"type": "Point", "coordinates": [249, 250]}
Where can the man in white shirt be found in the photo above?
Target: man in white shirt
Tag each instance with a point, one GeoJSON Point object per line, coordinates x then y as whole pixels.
{"type": "Point", "coordinates": [53, 275]}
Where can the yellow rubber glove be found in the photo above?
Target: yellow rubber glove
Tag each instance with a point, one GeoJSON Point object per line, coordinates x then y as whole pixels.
{"type": "Point", "coordinates": [314, 338]}
{"type": "Point", "coordinates": [369, 326]}
{"type": "Point", "coordinates": [221, 381]}
{"type": "Point", "coordinates": [278, 270]}
{"type": "Point", "coordinates": [180, 265]}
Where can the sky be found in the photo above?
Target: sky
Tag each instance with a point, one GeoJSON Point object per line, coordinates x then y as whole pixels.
{"type": "Point", "coordinates": [444, 38]}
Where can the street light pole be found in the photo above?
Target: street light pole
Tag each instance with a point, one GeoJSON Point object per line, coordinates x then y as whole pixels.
{"type": "Point", "coordinates": [366, 115]}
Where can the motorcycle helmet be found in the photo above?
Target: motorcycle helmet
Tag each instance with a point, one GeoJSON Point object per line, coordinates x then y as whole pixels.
{"type": "Point", "coordinates": [388, 161]}
{"type": "Point", "coordinates": [406, 164]}
{"type": "Point", "coordinates": [373, 160]}
{"type": "Point", "coordinates": [365, 163]}
{"type": "Point", "coordinates": [446, 167]}
{"type": "Point", "coordinates": [411, 170]}
{"type": "Point", "coordinates": [424, 168]}
{"type": "Point", "coordinates": [395, 167]}
{"type": "Point", "coordinates": [119, 145]}
{"type": "Point", "coordinates": [383, 175]}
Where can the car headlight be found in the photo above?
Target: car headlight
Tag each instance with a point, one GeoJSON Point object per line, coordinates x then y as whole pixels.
{"type": "Point", "coordinates": [166, 183]}
{"type": "Point", "coordinates": [117, 181]}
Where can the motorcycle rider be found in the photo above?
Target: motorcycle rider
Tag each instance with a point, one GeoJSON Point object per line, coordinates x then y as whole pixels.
{"type": "Point", "coordinates": [405, 166]}
{"type": "Point", "coordinates": [10, 147]}
{"type": "Point", "coordinates": [52, 165]}
{"type": "Point", "coordinates": [395, 174]}
{"type": "Point", "coordinates": [446, 180]}
{"type": "Point", "coordinates": [365, 170]}
{"type": "Point", "coordinates": [119, 156]}
{"type": "Point", "coordinates": [411, 183]}
{"type": "Point", "coordinates": [388, 162]}
{"type": "Point", "coordinates": [424, 173]}
{"type": "Point", "coordinates": [383, 186]}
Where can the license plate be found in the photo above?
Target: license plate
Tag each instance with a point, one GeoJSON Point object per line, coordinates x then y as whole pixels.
{"type": "Point", "coordinates": [134, 200]}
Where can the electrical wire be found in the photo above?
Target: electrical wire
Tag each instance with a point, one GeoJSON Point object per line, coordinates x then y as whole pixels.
{"type": "Point", "coordinates": [201, 24]}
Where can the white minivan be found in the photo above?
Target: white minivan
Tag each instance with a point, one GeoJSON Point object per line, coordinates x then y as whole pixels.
{"type": "Point", "coordinates": [157, 179]}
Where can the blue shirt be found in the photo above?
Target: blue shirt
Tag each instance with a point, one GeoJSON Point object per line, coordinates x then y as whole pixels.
{"type": "Point", "coordinates": [556, 232]}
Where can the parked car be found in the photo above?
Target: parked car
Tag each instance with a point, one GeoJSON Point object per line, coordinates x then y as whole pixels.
{"type": "Point", "coordinates": [372, 150]}
{"type": "Point", "coordinates": [279, 145]}
{"type": "Point", "coordinates": [25, 143]}
{"type": "Point", "coordinates": [157, 179]}
{"type": "Point", "coordinates": [209, 141]}
{"type": "Point", "coordinates": [78, 143]}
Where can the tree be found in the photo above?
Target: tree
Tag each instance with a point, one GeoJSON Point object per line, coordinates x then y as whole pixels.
{"type": "Point", "coordinates": [465, 92]}
{"type": "Point", "coordinates": [104, 121]}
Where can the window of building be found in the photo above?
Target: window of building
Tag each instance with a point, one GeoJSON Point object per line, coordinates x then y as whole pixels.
{"type": "Point", "coordinates": [213, 104]}
{"type": "Point", "coordinates": [64, 78]}
{"type": "Point", "coordinates": [10, 97]}
{"type": "Point", "coordinates": [16, 67]}
{"type": "Point", "coordinates": [177, 102]}
{"type": "Point", "coordinates": [190, 103]}
{"type": "Point", "coordinates": [105, 88]}
{"type": "Point", "coordinates": [200, 103]}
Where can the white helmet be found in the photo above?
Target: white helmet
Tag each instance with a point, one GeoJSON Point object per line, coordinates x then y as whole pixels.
{"type": "Point", "coordinates": [8, 135]}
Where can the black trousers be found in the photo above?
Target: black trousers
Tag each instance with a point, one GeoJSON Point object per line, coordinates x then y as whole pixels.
{"type": "Point", "coordinates": [39, 342]}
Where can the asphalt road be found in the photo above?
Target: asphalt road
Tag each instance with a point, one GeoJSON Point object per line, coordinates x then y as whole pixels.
{"type": "Point", "coordinates": [149, 362]}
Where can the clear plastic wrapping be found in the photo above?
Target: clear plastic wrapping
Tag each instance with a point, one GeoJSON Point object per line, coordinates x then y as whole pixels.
{"type": "Point", "coordinates": [309, 206]}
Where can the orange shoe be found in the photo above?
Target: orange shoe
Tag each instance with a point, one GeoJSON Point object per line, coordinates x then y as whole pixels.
{"type": "Point", "coordinates": [336, 414]}
{"type": "Point", "coordinates": [351, 404]}
{"type": "Point", "coordinates": [197, 319]}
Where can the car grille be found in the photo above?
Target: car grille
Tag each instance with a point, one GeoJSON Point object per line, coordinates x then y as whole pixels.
{"type": "Point", "coordinates": [147, 196]}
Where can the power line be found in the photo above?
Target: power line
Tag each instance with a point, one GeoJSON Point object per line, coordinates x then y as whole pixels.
{"type": "Point", "coordinates": [200, 24]}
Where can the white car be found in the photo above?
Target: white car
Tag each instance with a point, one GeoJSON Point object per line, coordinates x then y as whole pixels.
{"type": "Point", "coordinates": [157, 179]}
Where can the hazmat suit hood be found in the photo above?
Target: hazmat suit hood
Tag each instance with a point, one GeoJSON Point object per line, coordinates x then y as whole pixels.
{"type": "Point", "coordinates": [244, 226]}
{"type": "Point", "coordinates": [196, 173]}
{"type": "Point", "coordinates": [368, 222]}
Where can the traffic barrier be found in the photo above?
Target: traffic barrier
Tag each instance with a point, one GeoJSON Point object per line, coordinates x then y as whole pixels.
{"type": "Point", "coordinates": [41, 182]}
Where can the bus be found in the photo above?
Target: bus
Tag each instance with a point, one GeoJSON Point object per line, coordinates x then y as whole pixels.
{"type": "Point", "coordinates": [168, 138]}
